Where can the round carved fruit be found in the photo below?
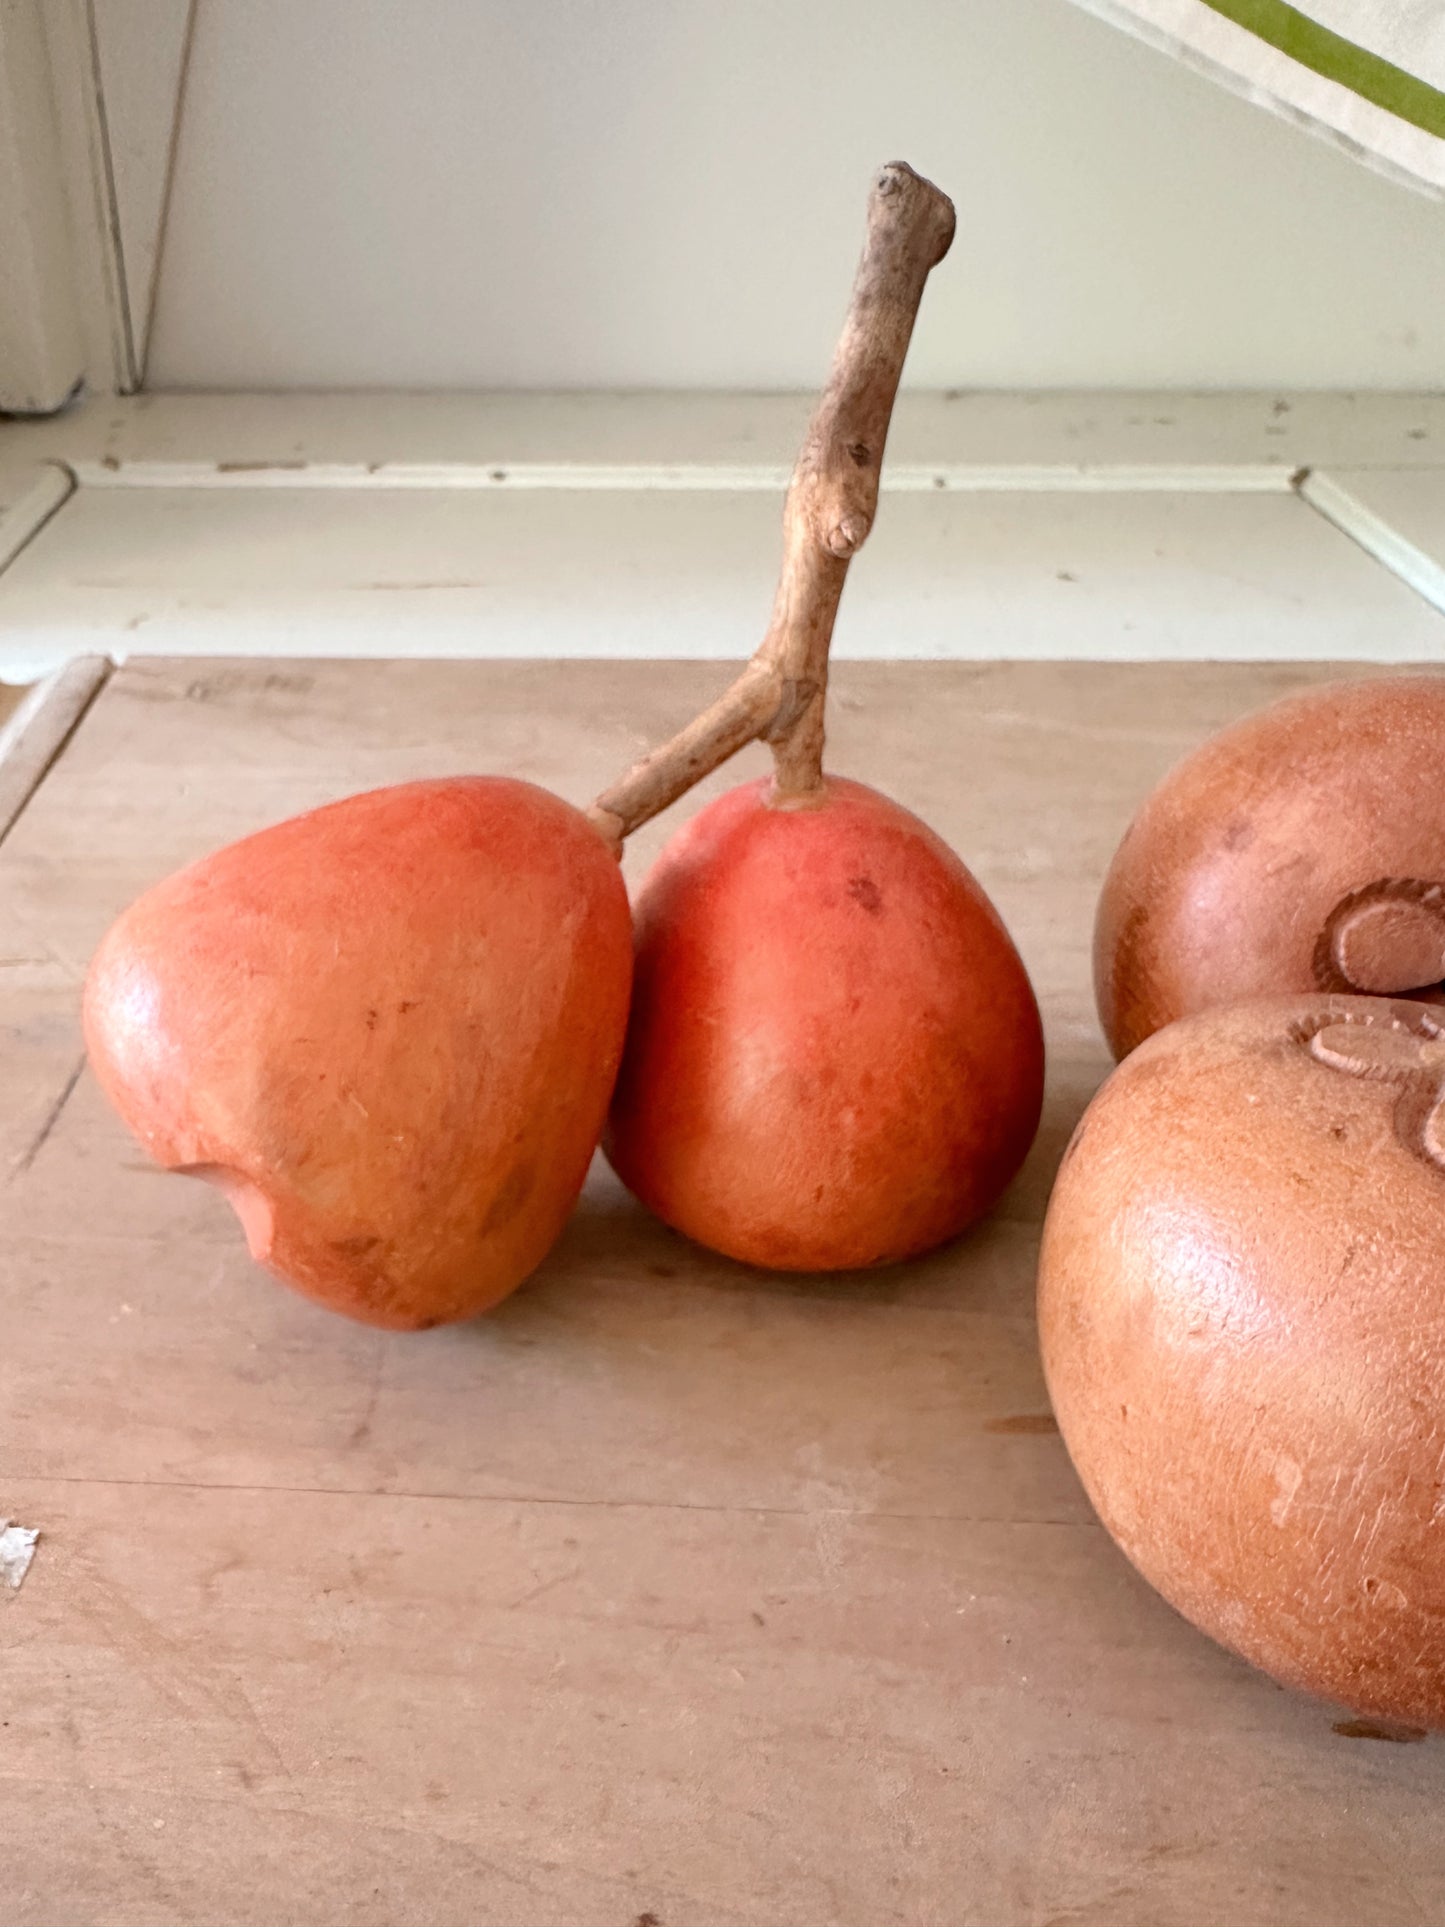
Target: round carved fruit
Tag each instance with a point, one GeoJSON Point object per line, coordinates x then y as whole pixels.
{"type": "Point", "coordinates": [1301, 849]}
{"type": "Point", "coordinates": [1242, 1313]}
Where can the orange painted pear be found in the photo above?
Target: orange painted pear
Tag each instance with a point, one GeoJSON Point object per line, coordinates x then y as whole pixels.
{"type": "Point", "coordinates": [834, 1057]}
{"type": "Point", "coordinates": [387, 1029]}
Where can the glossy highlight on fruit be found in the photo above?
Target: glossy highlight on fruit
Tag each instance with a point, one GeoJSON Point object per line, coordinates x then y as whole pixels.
{"type": "Point", "coordinates": [834, 1057]}
{"type": "Point", "coordinates": [1242, 1315]}
{"type": "Point", "coordinates": [388, 1029]}
{"type": "Point", "coordinates": [1302, 849]}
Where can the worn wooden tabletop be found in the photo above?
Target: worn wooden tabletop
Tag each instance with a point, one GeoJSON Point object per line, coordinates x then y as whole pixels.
{"type": "Point", "coordinates": [671, 1592]}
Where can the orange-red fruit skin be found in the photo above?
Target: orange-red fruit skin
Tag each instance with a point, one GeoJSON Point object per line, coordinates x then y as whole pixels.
{"type": "Point", "coordinates": [388, 1028]}
{"type": "Point", "coordinates": [834, 1057]}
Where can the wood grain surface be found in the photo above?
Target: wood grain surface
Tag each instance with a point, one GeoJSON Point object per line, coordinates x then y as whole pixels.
{"type": "Point", "coordinates": [671, 1592]}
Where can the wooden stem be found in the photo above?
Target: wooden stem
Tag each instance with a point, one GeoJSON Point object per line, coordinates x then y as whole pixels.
{"type": "Point", "coordinates": [831, 503]}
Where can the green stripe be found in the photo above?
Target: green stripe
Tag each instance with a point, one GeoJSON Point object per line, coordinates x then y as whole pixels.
{"type": "Point", "coordinates": [1338, 59]}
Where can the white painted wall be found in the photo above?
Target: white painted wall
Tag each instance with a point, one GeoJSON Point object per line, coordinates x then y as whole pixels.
{"type": "Point", "coordinates": [574, 193]}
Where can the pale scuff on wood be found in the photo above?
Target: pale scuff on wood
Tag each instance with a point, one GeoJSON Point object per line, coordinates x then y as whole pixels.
{"type": "Point", "coordinates": [17, 1549]}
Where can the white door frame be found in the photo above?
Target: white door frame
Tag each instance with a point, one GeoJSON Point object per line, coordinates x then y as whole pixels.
{"type": "Point", "coordinates": [87, 147]}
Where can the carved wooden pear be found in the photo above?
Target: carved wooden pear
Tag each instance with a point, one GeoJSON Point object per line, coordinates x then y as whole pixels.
{"type": "Point", "coordinates": [834, 1056]}
{"type": "Point", "coordinates": [1242, 1313]}
{"type": "Point", "coordinates": [1301, 849]}
{"type": "Point", "coordinates": [387, 1029]}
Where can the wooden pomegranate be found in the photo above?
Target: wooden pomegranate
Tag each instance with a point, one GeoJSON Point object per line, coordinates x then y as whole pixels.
{"type": "Point", "coordinates": [1242, 1313]}
{"type": "Point", "coordinates": [834, 1056]}
{"type": "Point", "coordinates": [387, 1029]}
{"type": "Point", "coordinates": [1302, 849]}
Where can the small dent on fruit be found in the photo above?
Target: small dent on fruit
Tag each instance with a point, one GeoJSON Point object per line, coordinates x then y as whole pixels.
{"type": "Point", "coordinates": [1384, 1592]}
{"type": "Point", "coordinates": [866, 894]}
{"type": "Point", "coordinates": [1240, 834]}
{"type": "Point", "coordinates": [357, 1246]}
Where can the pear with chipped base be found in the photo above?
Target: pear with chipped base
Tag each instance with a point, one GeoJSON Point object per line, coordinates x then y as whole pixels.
{"type": "Point", "coordinates": [1242, 1315]}
{"type": "Point", "coordinates": [387, 1029]}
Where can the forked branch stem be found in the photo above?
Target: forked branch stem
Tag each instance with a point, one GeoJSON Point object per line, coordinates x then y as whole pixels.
{"type": "Point", "coordinates": [781, 694]}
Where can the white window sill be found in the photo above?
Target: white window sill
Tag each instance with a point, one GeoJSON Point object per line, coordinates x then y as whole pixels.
{"type": "Point", "coordinates": [1124, 527]}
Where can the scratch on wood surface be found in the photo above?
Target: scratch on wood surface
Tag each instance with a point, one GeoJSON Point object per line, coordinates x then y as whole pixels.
{"type": "Point", "coordinates": [49, 1122]}
{"type": "Point", "coordinates": [562, 1502]}
{"type": "Point", "coordinates": [361, 1430]}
